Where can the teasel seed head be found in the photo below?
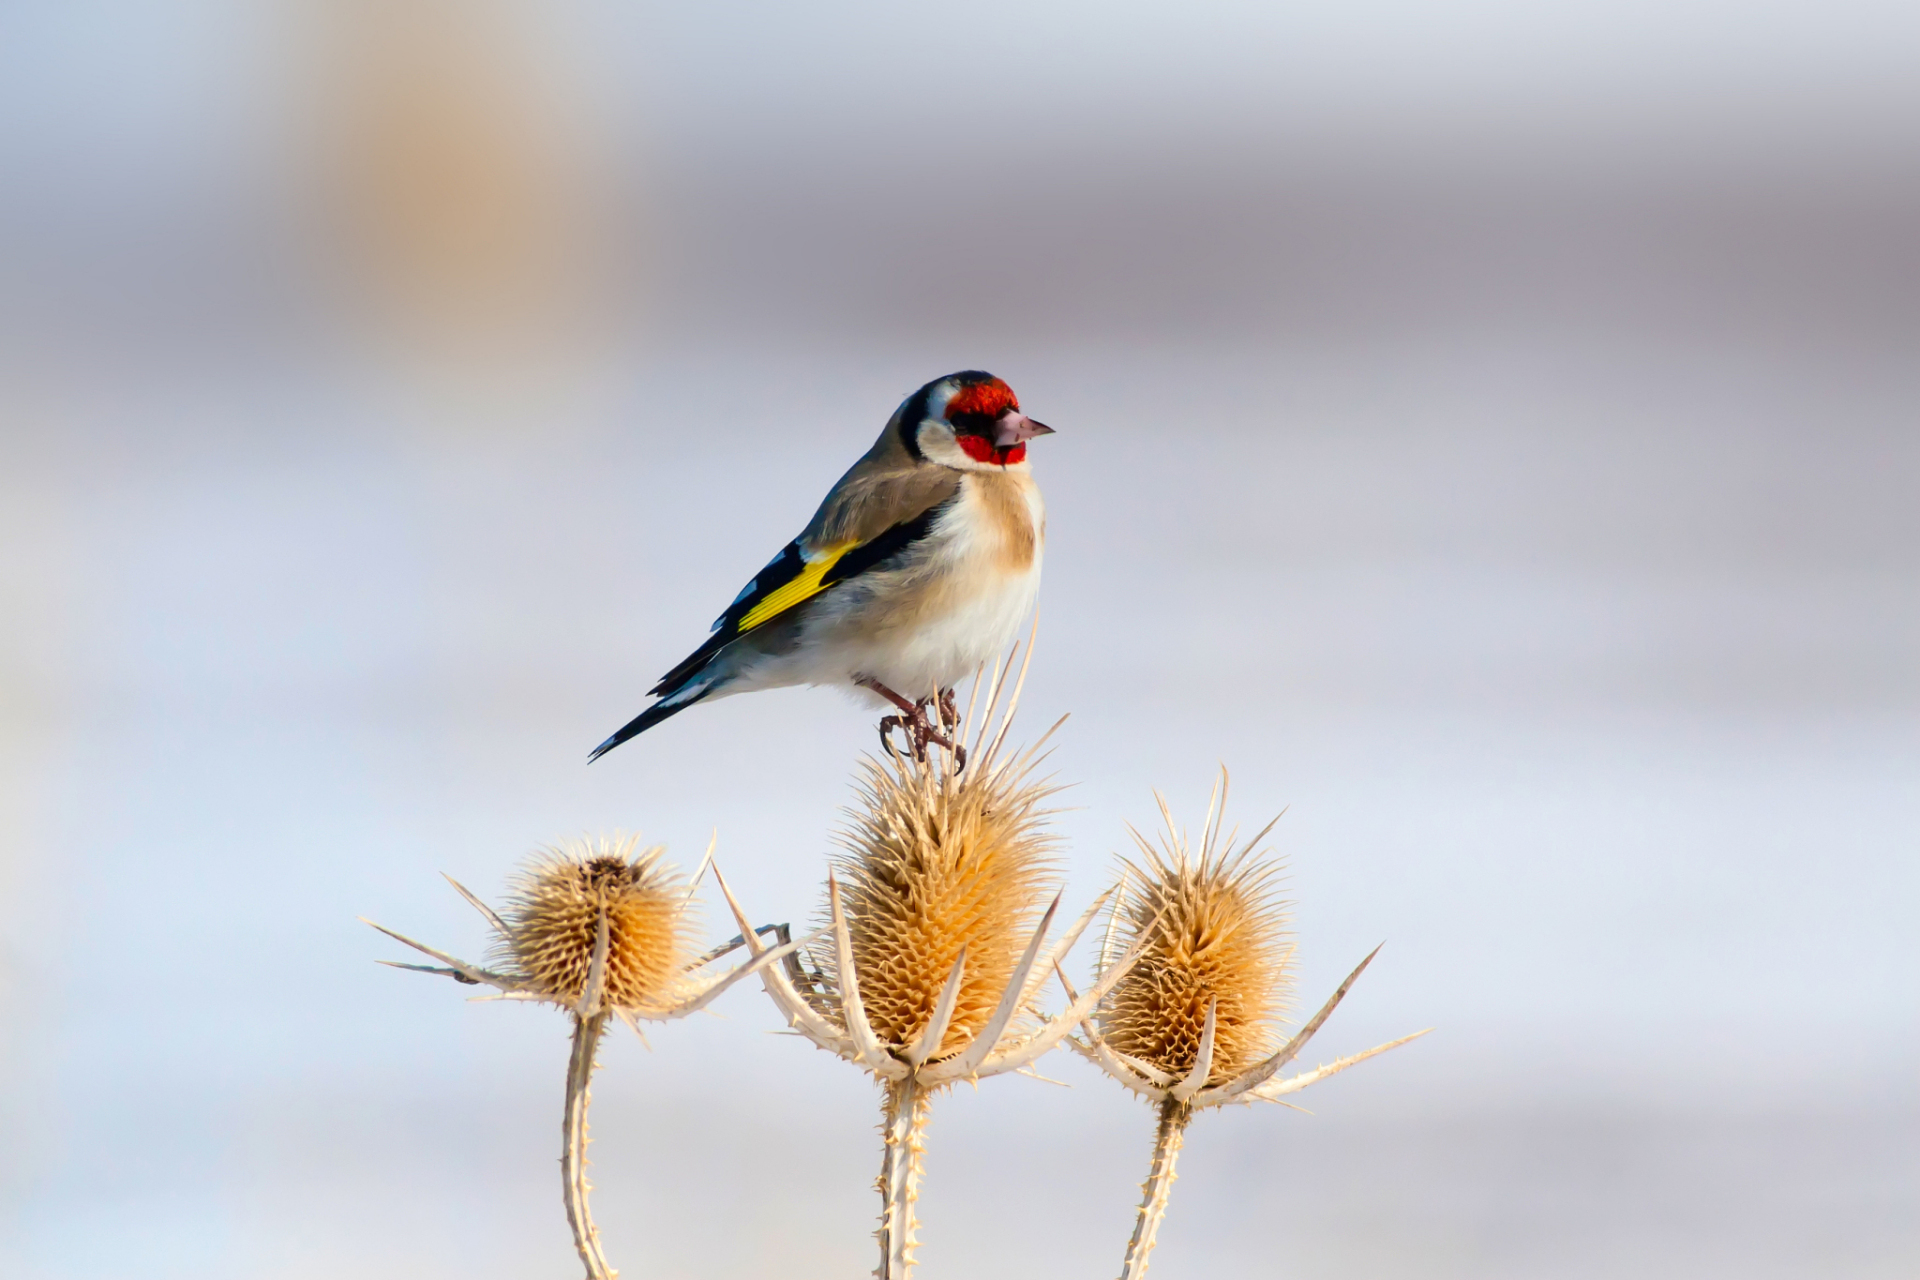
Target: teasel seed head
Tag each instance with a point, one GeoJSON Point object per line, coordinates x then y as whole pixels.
{"type": "Point", "coordinates": [939, 932]}
{"type": "Point", "coordinates": [939, 862]}
{"type": "Point", "coordinates": [602, 932]}
{"type": "Point", "coordinates": [940, 936]}
{"type": "Point", "coordinates": [1215, 938]}
{"type": "Point", "coordinates": [1192, 1024]}
{"type": "Point", "coordinates": [553, 917]}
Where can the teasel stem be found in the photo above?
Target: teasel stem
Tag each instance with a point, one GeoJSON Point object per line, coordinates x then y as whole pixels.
{"type": "Point", "coordinates": [907, 1107]}
{"type": "Point", "coordinates": [1158, 1188]}
{"type": "Point", "coordinates": [573, 1161]}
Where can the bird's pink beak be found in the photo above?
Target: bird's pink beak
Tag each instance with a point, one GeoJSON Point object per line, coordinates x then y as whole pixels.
{"type": "Point", "coordinates": [1014, 427]}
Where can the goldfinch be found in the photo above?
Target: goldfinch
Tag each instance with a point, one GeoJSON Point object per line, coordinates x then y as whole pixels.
{"type": "Point", "coordinates": [917, 568]}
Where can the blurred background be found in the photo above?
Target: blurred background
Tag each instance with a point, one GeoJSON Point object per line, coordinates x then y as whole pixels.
{"type": "Point", "coordinates": [1489, 428]}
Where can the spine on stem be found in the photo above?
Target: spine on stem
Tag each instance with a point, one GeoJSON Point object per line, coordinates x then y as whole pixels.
{"type": "Point", "coordinates": [1155, 1191]}
{"type": "Point", "coordinates": [906, 1113]}
{"type": "Point", "coordinates": [573, 1160]}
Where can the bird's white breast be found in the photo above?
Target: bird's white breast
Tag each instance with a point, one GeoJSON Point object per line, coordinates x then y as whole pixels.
{"type": "Point", "coordinates": [957, 602]}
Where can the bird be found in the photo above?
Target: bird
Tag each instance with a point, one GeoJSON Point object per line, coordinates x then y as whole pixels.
{"type": "Point", "coordinates": [918, 567]}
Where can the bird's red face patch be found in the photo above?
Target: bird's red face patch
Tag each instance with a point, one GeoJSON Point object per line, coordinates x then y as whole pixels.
{"type": "Point", "coordinates": [981, 449]}
{"type": "Point", "coordinates": [989, 399]}
{"type": "Point", "coordinates": [974, 412]}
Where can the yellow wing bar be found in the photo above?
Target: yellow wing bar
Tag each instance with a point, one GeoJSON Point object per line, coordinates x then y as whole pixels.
{"type": "Point", "coordinates": [803, 586]}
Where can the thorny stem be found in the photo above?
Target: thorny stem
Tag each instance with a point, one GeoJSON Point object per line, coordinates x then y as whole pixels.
{"type": "Point", "coordinates": [573, 1161]}
{"type": "Point", "coordinates": [905, 1117]}
{"type": "Point", "coordinates": [1158, 1187]}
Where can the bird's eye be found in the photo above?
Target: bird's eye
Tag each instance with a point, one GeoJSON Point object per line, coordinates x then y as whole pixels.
{"type": "Point", "coordinates": [972, 424]}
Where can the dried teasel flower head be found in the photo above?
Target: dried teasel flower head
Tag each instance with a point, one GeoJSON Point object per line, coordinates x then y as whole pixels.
{"type": "Point", "coordinates": [553, 921]}
{"type": "Point", "coordinates": [595, 927]}
{"type": "Point", "coordinates": [939, 864]}
{"type": "Point", "coordinates": [1215, 941]}
{"type": "Point", "coordinates": [939, 928]}
{"type": "Point", "coordinates": [1194, 1023]}
{"type": "Point", "coordinates": [939, 934]}
{"type": "Point", "coordinates": [600, 931]}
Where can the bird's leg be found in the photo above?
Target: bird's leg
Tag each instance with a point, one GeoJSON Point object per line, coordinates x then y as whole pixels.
{"type": "Point", "coordinates": [868, 682]}
{"type": "Point", "coordinates": [913, 719]}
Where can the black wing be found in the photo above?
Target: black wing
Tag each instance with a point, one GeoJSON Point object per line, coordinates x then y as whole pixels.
{"type": "Point", "coordinates": [787, 584]}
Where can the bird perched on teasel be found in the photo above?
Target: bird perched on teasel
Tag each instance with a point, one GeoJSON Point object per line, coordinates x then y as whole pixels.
{"type": "Point", "coordinates": [916, 569]}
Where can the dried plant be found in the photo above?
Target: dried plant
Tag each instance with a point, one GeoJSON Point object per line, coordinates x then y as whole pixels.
{"type": "Point", "coordinates": [1221, 947]}
{"type": "Point", "coordinates": [936, 866]}
{"type": "Point", "coordinates": [936, 960]}
{"type": "Point", "coordinates": [1194, 1022]}
{"type": "Point", "coordinates": [598, 930]}
{"type": "Point", "coordinates": [554, 922]}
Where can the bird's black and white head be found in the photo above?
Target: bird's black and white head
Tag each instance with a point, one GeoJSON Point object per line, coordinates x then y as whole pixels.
{"type": "Point", "coordinates": [970, 421]}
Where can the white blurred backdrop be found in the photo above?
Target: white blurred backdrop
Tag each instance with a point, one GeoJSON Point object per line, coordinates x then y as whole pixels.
{"type": "Point", "coordinates": [1488, 428]}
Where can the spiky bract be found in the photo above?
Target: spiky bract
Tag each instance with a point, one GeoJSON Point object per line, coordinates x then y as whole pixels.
{"type": "Point", "coordinates": [935, 863]}
{"type": "Point", "coordinates": [1216, 935]}
{"type": "Point", "coordinates": [554, 913]}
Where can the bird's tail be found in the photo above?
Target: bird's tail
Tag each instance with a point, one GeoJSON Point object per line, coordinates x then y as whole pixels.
{"type": "Point", "coordinates": [671, 705]}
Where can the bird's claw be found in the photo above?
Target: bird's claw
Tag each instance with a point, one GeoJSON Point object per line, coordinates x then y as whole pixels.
{"type": "Point", "coordinates": [920, 729]}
